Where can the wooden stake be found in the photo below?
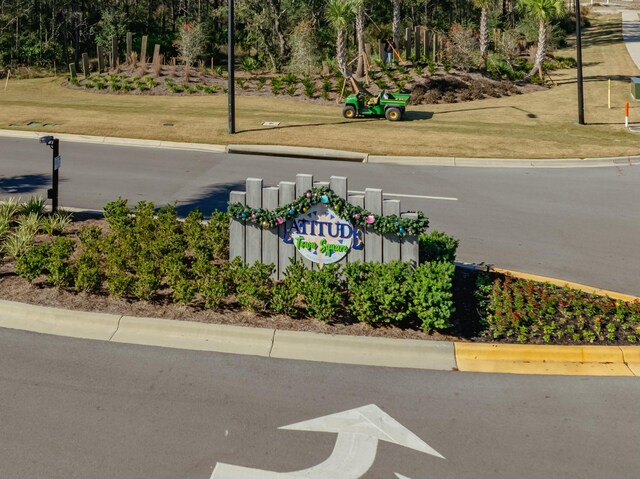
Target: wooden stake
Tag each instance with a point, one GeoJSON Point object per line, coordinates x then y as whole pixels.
{"type": "Point", "coordinates": [6, 83]}
{"type": "Point", "coordinates": [344, 85]}
{"type": "Point", "coordinates": [609, 95]}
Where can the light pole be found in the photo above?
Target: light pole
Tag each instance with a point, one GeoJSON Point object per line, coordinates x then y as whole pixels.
{"type": "Point", "coordinates": [231, 59]}
{"type": "Point", "coordinates": [579, 64]}
{"type": "Point", "coordinates": [52, 193]}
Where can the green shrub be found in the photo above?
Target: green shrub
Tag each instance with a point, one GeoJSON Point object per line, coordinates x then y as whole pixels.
{"type": "Point", "coordinates": [56, 222]}
{"type": "Point", "coordinates": [432, 295]}
{"type": "Point", "coordinates": [30, 223]}
{"type": "Point", "coordinates": [147, 278]}
{"type": "Point", "coordinates": [33, 262]}
{"type": "Point", "coordinates": [285, 293]}
{"type": "Point", "coordinates": [253, 285]}
{"type": "Point", "coordinates": [437, 246]}
{"type": "Point", "coordinates": [276, 85]}
{"type": "Point", "coordinates": [88, 272]}
{"type": "Point", "coordinates": [379, 293]}
{"type": "Point", "coordinates": [58, 265]}
{"type": "Point", "coordinates": [118, 215]}
{"type": "Point", "coordinates": [214, 286]}
{"type": "Point", "coordinates": [261, 82]}
{"type": "Point", "coordinates": [309, 87]}
{"type": "Point", "coordinates": [17, 243]}
{"type": "Point", "coordinates": [217, 234]}
{"type": "Point", "coordinates": [321, 292]}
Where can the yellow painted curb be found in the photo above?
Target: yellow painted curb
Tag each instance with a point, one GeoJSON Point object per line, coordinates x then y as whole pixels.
{"type": "Point", "coordinates": [540, 359]}
{"type": "Point", "coordinates": [631, 356]}
{"type": "Point", "coordinates": [562, 283]}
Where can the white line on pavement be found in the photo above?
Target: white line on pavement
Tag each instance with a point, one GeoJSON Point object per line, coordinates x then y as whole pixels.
{"type": "Point", "coordinates": [400, 195]}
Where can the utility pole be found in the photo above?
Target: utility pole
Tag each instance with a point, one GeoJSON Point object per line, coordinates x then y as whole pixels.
{"type": "Point", "coordinates": [579, 64]}
{"type": "Point", "coordinates": [231, 60]}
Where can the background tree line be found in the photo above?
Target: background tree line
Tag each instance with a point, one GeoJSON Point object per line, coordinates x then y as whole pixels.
{"type": "Point", "coordinates": [272, 33]}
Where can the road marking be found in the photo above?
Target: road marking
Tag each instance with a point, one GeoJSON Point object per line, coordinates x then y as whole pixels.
{"type": "Point", "coordinates": [359, 431]}
{"type": "Point", "coordinates": [402, 195]}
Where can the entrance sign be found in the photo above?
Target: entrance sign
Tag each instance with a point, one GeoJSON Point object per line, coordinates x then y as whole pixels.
{"type": "Point", "coordinates": [359, 431]}
{"type": "Point", "coordinates": [319, 223]}
{"type": "Point", "coordinates": [320, 235]}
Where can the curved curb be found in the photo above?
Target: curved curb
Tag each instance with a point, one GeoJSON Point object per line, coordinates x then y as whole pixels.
{"type": "Point", "coordinates": [569, 284]}
{"type": "Point", "coordinates": [358, 350]}
{"type": "Point", "coordinates": [298, 152]}
{"type": "Point", "coordinates": [341, 155]}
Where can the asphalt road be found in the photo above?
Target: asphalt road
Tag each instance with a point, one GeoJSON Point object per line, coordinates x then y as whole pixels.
{"type": "Point", "coordinates": [581, 225]}
{"type": "Point", "coordinates": [86, 409]}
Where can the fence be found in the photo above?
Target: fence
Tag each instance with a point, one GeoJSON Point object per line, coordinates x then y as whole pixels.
{"type": "Point", "coordinates": [251, 242]}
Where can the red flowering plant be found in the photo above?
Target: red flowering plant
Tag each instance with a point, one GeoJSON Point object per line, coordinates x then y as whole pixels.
{"type": "Point", "coordinates": [516, 310]}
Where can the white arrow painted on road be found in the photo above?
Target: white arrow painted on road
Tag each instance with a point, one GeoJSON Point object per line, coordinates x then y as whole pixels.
{"type": "Point", "coordinates": [359, 431]}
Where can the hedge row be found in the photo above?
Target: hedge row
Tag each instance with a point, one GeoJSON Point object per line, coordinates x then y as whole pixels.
{"type": "Point", "coordinates": [146, 253]}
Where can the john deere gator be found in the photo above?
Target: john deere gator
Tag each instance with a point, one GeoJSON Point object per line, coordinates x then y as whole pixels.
{"type": "Point", "coordinates": [389, 105]}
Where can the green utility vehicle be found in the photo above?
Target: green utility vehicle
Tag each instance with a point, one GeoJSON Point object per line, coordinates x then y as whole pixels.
{"type": "Point", "coordinates": [389, 105]}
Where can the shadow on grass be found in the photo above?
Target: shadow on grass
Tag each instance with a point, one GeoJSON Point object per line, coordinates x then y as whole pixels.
{"type": "Point", "coordinates": [464, 110]}
{"type": "Point", "coordinates": [216, 197]}
{"type": "Point", "coordinates": [23, 184]}
{"type": "Point", "coordinates": [306, 125]}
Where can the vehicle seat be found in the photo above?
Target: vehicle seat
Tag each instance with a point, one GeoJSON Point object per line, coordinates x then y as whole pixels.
{"type": "Point", "coordinates": [373, 100]}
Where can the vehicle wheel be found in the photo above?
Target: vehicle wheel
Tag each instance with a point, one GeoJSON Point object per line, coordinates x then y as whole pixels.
{"type": "Point", "coordinates": [349, 112]}
{"type": "Point", "coordinates": [393, 114]}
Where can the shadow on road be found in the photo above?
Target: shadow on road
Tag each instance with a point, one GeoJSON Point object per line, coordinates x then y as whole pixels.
{"type": "Point", "coordinates": [215, 197]}
{"type": "Point", "coordinates": [23, 184]}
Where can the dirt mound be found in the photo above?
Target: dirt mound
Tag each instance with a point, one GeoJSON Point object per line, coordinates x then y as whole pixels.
{"type": "Point", "coordinates": [449, 88]}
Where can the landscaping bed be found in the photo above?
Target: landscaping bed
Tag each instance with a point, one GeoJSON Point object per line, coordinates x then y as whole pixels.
{"type": "Point", "coordinates": [150, 264]}
{"type": "Point", "coordinates": [426, 87]}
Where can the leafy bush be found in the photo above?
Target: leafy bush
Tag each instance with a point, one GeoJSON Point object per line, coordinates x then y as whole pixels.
{"type": "Point", "coordinates": [88, 272]}
{"type": "Point", "coordinates": [58, 264]}
{"type": "Point", "coordinates": [33, 262]}
{"type": "Point", "coordinates": [379, 293]}
{"type": "Point", "coordinates": [431, 295]}
{"type": "Point", "coordinates": [253, 285]}
{"type": "Point", "coordinates": [321, 292]}
{"type": "Point", "coordinates": [528, 312]}
{"type": "Point", "coordinates": [217, 233]}
{"type": "Point", "coordinates": [214, 285]}
{"type": "Point", "coordinates": [437, 246]}
{"type": "Point", "coordinates": [285, 293]}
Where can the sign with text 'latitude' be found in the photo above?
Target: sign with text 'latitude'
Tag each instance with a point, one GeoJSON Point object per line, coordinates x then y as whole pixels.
{"type": "Point", "coordinates": [321, 235]}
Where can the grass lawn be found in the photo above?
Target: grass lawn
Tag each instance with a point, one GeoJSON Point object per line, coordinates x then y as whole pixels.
{"type": "Point", "coordinates": [535, 125]}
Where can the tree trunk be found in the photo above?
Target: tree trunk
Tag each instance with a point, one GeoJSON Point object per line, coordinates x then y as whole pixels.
{"type": "Point", "coordinates": [360, 36]}
{"type": "Point", "coordinates": [484, 35]}
{"type": "Point", "coordinates": [541, 52]}
{"type": "Point", "coordinates": [341, 52]}
{"type": "Point", "coordinates": [396, 23]}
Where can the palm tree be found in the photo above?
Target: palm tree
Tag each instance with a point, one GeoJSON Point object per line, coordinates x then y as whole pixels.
{"type": "Point", "coordinates": [544, 11]}
{"type": "Point", "coordinates": [484, 5]}
{"type": "Point", "coordinates": [395, 23]}
{"type": "Point", "coordinates": [339, 14]}
{"type": "Point", "coordinates": [358, 6]}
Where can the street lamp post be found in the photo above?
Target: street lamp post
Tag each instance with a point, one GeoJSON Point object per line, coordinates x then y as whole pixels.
{"type": "Point", "coordinates": [52, 193]}
{"type": "Point", "coordinates": [231, 59]}
{"type": "Point", "coordinates": [579, 65]}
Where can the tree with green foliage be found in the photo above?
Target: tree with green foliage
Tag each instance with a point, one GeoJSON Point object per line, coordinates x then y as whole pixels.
{"type": "Point", "coordinates": [359, 11]}
{"type": "Point", "coordinates": [396, 22]}
{"type": "Point", "coordinates": [339, 14]}
{"type": "Point", "coordinates": [543, 11]}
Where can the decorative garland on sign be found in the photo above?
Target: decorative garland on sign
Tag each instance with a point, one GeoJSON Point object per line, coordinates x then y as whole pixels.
{"type": "Point", "coordinates": [357, 215]}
